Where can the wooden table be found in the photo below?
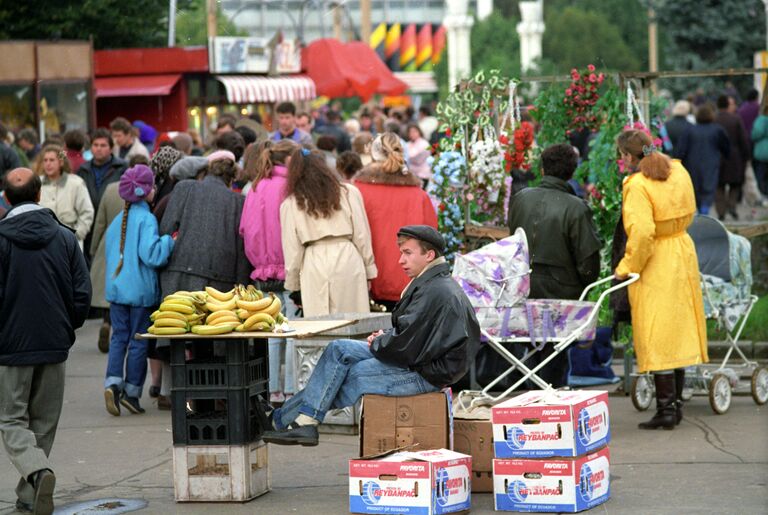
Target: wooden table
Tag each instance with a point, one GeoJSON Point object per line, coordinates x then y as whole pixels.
{"type": "Point", "coordinates": [301, 329]}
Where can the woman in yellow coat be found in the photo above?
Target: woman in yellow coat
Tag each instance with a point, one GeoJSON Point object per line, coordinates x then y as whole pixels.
{"type": "Point", "coordinates": [668, 323]}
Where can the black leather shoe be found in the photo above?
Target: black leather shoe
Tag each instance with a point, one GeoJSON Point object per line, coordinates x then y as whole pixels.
{"type": "Point", "coordinates": [131, 404]}
{"type": "Point", "coordinates": [112, 400]}
{"type": "Point", "coordinates": [23, 507]}
{"type": "Point", "coordinates": [104, 333]}
{"type": "Point", "coordinates": [293, 435]}
{"type": "Point", "coordinates": [44, 483]}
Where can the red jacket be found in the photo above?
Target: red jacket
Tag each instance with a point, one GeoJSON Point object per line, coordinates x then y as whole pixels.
{"type": "Point", "coordinates": [392, 200]}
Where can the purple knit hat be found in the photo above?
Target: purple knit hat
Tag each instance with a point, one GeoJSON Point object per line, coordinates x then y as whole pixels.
{"type": "Point", "coordinates": [136, 183]}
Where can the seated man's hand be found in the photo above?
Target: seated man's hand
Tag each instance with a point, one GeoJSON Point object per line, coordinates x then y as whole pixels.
{"type": "Point", "coordinates": [373, 336]}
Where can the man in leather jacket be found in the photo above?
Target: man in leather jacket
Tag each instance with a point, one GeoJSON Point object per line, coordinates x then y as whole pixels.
{"type": "Point", "coordinates": [433, 338]}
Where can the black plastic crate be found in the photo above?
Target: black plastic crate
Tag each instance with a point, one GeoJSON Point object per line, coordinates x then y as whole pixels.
{"type": "Point", "coordinates": [231, 416]}
{"type": "Point", "coordinates": [236, 364]}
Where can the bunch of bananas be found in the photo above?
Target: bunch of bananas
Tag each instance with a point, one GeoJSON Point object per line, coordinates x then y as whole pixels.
{"type": "Point", "coordinates": [178, 313]}
{"type": "Point", "coordinates": [213, 312]}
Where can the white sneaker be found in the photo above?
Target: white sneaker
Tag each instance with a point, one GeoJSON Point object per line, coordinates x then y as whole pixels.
{"type": "Point", "coordinates": [276, 397]}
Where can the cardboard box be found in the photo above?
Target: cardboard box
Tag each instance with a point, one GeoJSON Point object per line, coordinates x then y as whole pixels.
{"type": "Point", "coordinates": [424, 482]}
{"type": "Point", "coordinates": [474, 437]}
{"type": "Point", "coordinates": [388, 423]}
{"type": "Point", "coordinates": [541, 424]}
{"type": "Point", "coordinates": [552, 485]}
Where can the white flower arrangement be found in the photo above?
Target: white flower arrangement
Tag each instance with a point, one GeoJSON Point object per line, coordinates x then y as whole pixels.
{"type": "Point", "coordinates": [487, 167]}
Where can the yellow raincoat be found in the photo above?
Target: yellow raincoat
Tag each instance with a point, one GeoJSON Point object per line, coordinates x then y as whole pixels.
{"type": "Point", "coordinates": [668, 323]}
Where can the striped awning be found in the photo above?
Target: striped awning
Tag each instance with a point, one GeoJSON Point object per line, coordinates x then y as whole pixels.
{"type": "Point", "coordinates": [418, 82]}
{"type": "Point", "coordinates": [253, 89]}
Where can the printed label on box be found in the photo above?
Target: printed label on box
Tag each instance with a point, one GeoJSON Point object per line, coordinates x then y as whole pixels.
{"type": "Point", "coordinates": [539, 424]}
{"type": "Point", "coordinates": [552, 485]}
{"type": "Point", "coordinates": [427, 482]}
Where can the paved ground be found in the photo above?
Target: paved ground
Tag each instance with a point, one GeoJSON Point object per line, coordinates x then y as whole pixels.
{"type": "Point", "coordinates": [710, 464]}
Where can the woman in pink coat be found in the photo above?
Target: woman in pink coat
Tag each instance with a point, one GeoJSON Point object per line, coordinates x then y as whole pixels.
{"type": "Point", "coordinates": [266, 165]}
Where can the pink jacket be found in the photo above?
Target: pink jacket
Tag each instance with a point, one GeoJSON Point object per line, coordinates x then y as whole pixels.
{"type": "Point", "coordinates": [260, 226]}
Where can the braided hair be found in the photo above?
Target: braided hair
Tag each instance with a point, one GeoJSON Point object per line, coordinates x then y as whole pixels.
{"type": "Point", "coordinates": [123, 228]}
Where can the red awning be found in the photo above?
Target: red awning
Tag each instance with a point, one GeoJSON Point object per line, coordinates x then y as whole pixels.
{"type": "Point", "coordinates": [251, 89]}
{"type": "Point", "coordinates": [348, 70]}
{"type": "Point", "coordinates": [136, 85]}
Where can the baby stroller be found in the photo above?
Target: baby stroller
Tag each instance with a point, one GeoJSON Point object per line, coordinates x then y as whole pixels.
{"type": "Point", "coordinates": [726, 282]}
{"type": "Point", "coordinates": [496, 280]}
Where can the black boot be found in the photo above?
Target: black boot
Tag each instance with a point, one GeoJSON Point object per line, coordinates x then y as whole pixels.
{"type": "Point", "coordinates": [679, 384]}
{"type": "Point", "coordinates": [665, 403]}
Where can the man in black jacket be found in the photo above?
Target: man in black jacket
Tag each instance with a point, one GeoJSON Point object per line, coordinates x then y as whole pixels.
{"type": "Point", "coordinates": [563, 241]}
{"type": "Point", "coordinates": [433, 338]}
{"type": "Point", "coordinates": [45, 292]}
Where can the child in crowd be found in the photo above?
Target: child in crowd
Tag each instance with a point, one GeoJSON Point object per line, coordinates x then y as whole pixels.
{"type": "Point", "coordinates": [134, 250]}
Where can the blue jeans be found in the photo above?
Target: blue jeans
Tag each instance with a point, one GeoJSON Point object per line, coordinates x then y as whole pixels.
{"type": "Point", "coordinates": [127, 360]}
{"type": "Point", "coordinates": [281, 351]}
{"type": "Point", "coordinates": [345, 372]}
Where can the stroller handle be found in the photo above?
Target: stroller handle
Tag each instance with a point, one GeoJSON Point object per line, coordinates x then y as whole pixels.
{"type": "Point", "coordinates": [631, 278]}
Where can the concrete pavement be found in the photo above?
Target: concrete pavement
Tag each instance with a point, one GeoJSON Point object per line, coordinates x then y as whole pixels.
{"type": "Point", "coordinates": [710, 464]}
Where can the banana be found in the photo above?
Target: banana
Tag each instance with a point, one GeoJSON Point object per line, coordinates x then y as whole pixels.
{"type": "Point", "coordinates": [213, 306]}
{"type": "Point", "coordinates": [279, 319]}
{"type": "Point", "coordinates": [194, 317]}
{"type": "Point", "coordinates": [179, 299]}
{"type": "Point", "coordinates": [262, 327]}
{"type": "Point", "coordinates": [257, 318]}
{"type": "Point", "coordinates": [275, 307]}
{"type": "Point", "coordinates": [210, 319]}
{"type": "Point", "coordinates": [258, 294]}
{"type": "Point", "coordinates": [219, 295]}
{"type": "Point", "coordinates": [177, 307]}
{"type": "Point", "coordinates": [225, 320]}
{"type": "Point", "coordinates": [255, 306]}
{"type": "Point", "coordinates": [166, 330]}
{"type": "Point", "coordinates": [154, 315]}
{"type": "Point", "coordinates": [170, 322]}
{"type": "Point", "coordinates": [243, 314]}
{"type": "Point", "coordinates": [214, 329]}
{"type": "Point", "coordinates": [170, 314]}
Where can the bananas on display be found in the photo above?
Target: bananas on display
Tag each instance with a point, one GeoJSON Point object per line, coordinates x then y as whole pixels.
{"type": "Point", "coordinates": [214, 312]}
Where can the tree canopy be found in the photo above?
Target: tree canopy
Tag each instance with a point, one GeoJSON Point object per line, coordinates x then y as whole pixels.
{"type": "Point", "coordinates": [111, 23]}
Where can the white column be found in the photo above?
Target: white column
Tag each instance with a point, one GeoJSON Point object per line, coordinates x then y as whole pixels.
{"type": "Point", "coordinates": [457, 25]}
{"type": "Point", "coordinates": [484, 9]}
{"type": "Point", "coordinates": [530, 30]}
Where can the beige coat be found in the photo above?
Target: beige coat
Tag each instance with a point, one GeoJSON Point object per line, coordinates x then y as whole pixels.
{"type": "Point", "coordinates": [137, 148]}
{"type": "Point", "coordinates": [68, 198]}
{"type": "Point", "coordinates": [110, 206]}
{"type": "Point", "coordinates": [329, 259]}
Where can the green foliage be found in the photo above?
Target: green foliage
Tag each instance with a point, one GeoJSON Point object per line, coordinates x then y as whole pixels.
{"type": "Point", "coordinates": [495, 45]}
{"type": "Point", "coordinates": [710, 34]}
{"type": "Point", "coordinates": [111, 23]}
{"type": "Point", "coordinates": [575, 37]}
{"type": "Point", "coordinates": [191, 25]}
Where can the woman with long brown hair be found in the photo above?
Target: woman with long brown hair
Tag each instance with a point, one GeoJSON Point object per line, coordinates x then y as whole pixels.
{"type": "Point", "coordinates": [667, 308]}
{"type": "Point", "coordinates": [63, 192]}
{"type": "Point", "coordinates": [326, 238]}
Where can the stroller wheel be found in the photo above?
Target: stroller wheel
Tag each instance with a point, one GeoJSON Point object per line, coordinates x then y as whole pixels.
{"type": "Point", "coordinates": [720, 393]}
{"type": "Point", "coordinates": [760, 385]}
{"type": "Point", "coordinates": [642, 392]}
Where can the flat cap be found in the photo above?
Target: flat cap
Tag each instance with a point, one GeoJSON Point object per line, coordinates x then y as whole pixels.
{"type": "Point", "coordinates": [423, 233]}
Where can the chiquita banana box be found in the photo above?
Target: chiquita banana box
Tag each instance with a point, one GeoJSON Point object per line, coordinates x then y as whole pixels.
{"type": "Point", "coordinates": [544, 423]}
{"type": "Point", "coordinates": [424, 482]}
{"type": "Point", "coordinates": [553, 484]}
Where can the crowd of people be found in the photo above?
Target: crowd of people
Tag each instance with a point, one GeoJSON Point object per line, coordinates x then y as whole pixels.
{"type": "Point", "coordinates": [333, 217]}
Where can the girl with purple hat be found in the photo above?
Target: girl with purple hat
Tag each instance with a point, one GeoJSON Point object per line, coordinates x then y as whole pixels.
{"type": "Point", "coordinates": [134, 250]}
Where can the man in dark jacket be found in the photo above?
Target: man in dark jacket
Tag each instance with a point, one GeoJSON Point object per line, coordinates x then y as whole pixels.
{"type": "Point", "coordinates": [100, 172]}
{"type": "Point", "coordinates": [41, 265]}
{"type": "Point", "coordinates": [433, 338]}
{"type": "Point", "coordinates": [733, 167]}
{"type": "Point", "coordinates": [562, 238]}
